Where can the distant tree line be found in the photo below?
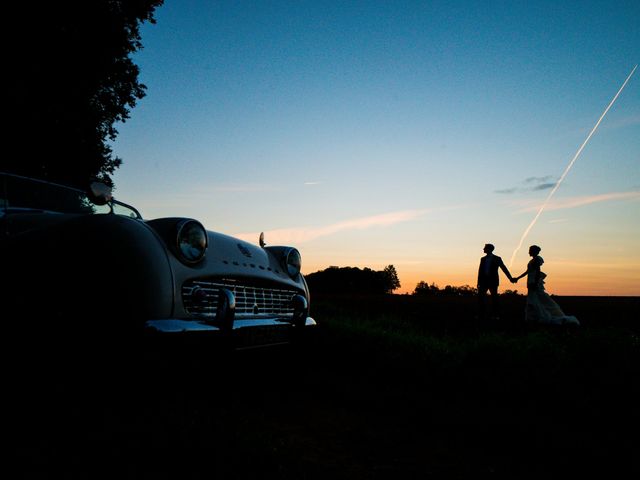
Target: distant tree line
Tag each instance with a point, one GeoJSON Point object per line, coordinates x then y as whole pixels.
{"type": "Point", "coordinates": [425, 289]}
{"type": "Point", "coordinates": [353, 280]}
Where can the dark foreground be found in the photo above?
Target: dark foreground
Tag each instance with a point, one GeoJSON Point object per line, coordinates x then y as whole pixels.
{"type": "Point", "coordinates": [389, 388]}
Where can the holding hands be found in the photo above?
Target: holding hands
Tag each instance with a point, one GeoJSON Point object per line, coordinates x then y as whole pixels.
{"type": "Point", "coordinates": [515, 279]}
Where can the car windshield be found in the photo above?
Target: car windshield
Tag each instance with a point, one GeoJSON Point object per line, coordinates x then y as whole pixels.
{"type": "Point", "coordinates": [23, 195]}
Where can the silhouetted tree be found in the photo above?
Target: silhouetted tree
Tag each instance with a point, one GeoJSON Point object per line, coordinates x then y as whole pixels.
{"type": "Point", "coordinates": [423, 288]}
{"type": "Point", "coordinates": [352, 280]}
{"type": "Point", "coordinates": [391, 278]}
{"type": "Point", "coordinates": [463, 291]}
{"type": "Point", "coordinates": [70, 79]}
{"type": "Point", "coordinates": [511, 293]}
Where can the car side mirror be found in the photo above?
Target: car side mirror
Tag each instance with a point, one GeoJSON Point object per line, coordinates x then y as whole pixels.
{"type": "Point", "coordinates": [100, 193]}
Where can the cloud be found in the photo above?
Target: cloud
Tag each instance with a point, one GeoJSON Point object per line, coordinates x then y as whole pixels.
{"type": "Point", "coordinates": [538, 179]}
{"type": "Point", "coordinates": [506, 190]}
{"type": "Point", "coordinates": [312, 183]}
{"type": "Point", "coordinates": [531, 184]}
{"type": "Point", "coordinates": [575, 202]}
{"type": "Point", "coordinates": [543, 186]}
{"type": "Point", "coordinates": [298, 235]}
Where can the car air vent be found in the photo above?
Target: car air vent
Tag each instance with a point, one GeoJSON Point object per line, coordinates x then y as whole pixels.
{"type": "Point", "coordinates": [200, 298]}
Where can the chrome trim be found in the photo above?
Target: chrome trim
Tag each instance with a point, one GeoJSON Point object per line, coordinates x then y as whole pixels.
{"type": "Point", "coordinates": [77, 190]}
{"type": "Point", "coordinates": [300, 310]}
{"type": "Point", "coordinates": [176, 325]}
{"type": "Point", "coordinates": [179, 227]}
{"type": "Point", "coordinates": [226, 311]}
{"type": "Point", "coordinates": [250, 302]}
{"type": "Point", "coordinates": [288, 252]}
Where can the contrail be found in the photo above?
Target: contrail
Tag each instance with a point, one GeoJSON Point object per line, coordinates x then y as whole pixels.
{"type": "Point", "coordinates": [566, 170]}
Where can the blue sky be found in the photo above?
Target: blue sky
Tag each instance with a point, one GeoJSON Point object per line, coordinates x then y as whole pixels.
{"type": "Point", "coordinates": [405, 133]}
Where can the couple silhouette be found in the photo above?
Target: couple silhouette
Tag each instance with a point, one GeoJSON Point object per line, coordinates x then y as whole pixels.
{"type": "Point", "coordinates": [541, 308]}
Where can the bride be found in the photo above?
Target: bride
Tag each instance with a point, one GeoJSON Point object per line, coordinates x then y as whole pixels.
{"type": "Point", "coordinates": [540, 306]}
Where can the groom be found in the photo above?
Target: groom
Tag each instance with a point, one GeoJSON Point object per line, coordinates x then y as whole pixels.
{"type": "Point", "coordinates": [488, 280]}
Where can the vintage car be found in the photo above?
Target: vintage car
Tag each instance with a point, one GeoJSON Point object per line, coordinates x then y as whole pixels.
{"type": "Point", "coordinates": [82, 264]}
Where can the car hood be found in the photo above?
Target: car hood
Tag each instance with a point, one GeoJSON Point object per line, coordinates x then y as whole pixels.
{"type": "Point", "coordinates": [234, 257]}
{"type": "Point", "coordinates": [232, 249]}
{"type": "Point", "coordinates": [228, 258]}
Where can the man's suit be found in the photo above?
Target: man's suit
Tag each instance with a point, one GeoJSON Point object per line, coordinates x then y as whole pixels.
{"type": "Point", "coordinates": [488, 279]}
{"type": "Point", "coordinates": [488, 271]}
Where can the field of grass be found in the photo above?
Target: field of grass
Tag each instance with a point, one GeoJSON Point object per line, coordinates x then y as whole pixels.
{"type": "Point", "coordinates": [390, 387]}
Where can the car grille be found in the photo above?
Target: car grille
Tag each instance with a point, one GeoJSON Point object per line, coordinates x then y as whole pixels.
{"type": "Point", "coordinates": [200, 298]}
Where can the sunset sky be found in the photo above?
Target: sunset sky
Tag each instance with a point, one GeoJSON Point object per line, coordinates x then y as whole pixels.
{"type": "Point", "coordinates": [408, 133]}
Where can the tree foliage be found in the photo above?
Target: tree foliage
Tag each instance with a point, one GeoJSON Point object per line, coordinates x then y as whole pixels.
{"type": "Point", "coordinates": [391, 277]}
{"type": "Point", "coordinates": [71, 79]}
{"type": "Point", "coordinates": [512, 293]}
{"type": "Point", "coordinates": [353, 280]}
{"type": "Point", "coordinates": [423, 289]}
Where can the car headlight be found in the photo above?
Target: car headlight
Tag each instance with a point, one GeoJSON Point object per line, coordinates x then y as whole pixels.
{"type": "Point", "coordinates": [191, 241]}
{"type": "Point", "coordinates": [293, 262]}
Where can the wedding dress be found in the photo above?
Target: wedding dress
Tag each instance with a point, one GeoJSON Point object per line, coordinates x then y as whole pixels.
{"type": "Point", "coordinates": [540, 306]}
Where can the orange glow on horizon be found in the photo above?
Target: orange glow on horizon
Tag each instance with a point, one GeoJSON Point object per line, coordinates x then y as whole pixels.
{"type": "Point", "coordinates": [563, 279]}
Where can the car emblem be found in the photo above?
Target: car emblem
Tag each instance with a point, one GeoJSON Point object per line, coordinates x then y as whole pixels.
{"type": "Point", "coordinates": [256, 310]}
{"type": "Point", "coordinates": [244, 250]}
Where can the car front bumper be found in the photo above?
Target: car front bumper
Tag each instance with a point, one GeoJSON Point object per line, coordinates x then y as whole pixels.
{"type": "Point", "coordinates": [175, 325]}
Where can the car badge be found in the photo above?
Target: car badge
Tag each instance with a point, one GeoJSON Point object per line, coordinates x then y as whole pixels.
{"type": "Point", "coordinates": [244, 250]}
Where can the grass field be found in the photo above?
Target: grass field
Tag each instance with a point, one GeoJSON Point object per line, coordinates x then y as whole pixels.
{"type": "Point", "coordinates": [390, 387]}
